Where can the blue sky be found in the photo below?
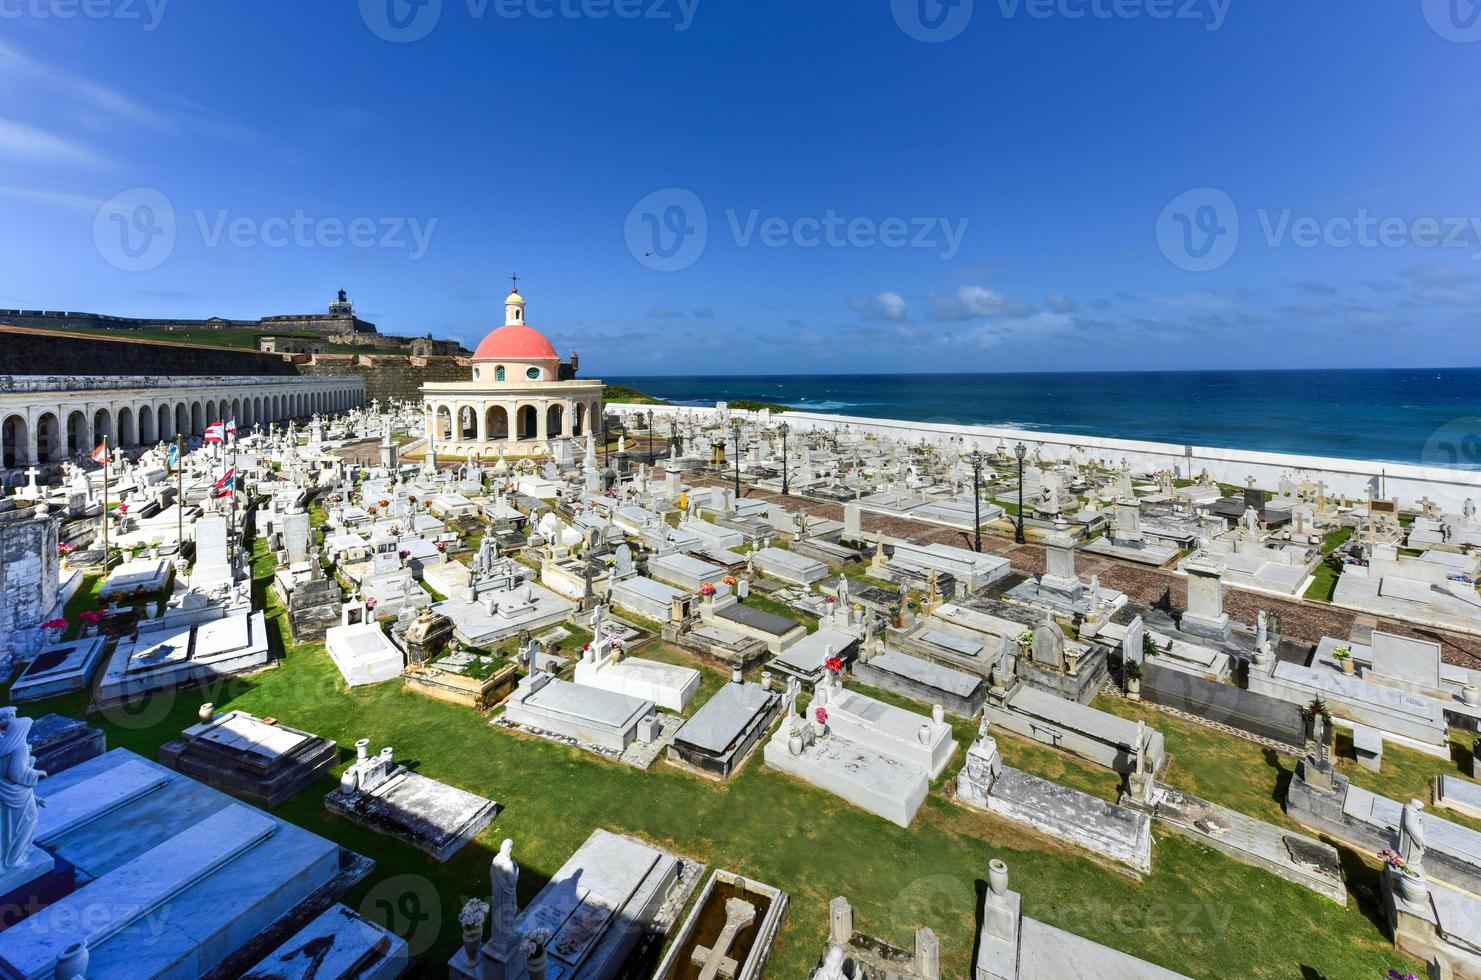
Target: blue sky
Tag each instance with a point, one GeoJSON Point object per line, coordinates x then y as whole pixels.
{"type": "Point", "coordinates": [1022, 189]}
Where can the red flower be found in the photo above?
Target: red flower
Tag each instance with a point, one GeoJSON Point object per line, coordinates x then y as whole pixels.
{"type": "Point", "coordinates": [830, 600]}
{"type": "Point", "coordinates": [54, 624]}
{"type": "Point", "coordinates": [708, 589]}
{"type": "Point", "coordinates": [821, 714]}
{"type": "Point", "coordinates": [834, 664]}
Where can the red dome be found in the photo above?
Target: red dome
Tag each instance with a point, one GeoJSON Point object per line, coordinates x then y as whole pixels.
{"type": "Point", "coordinates": [515, 342]}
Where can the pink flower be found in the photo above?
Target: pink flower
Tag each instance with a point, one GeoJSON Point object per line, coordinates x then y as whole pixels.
{"type": "Point", "coordinates": [821, 714]}
{"type": "Point", "coordinates": [707, 589]}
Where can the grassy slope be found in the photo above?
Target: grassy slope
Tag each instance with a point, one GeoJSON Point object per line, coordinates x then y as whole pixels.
{"type": "Point", "coordinates": [1198, 913]}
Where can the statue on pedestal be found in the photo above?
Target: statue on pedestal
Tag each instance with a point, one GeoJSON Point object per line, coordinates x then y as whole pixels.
{"type": "Point", "coordinates": [503, 900]}
{"type": "Point", "coordinates": [18, 778]}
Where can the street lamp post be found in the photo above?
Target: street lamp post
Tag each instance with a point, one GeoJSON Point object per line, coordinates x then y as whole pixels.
{"type": "Point", "coordinates": [735, 427]}
{"type": "Point", "coordinates": [1019, 451]}
{"type": "Point", "coordinates": [976, 458]}
{"type": "Point", "coordinates": [785, 429]}
{"type": "Point", "coordinates": [650, 437]}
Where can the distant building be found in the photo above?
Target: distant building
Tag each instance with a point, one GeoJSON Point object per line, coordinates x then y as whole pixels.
{"type": "Point", "coordinates": [291, 345]}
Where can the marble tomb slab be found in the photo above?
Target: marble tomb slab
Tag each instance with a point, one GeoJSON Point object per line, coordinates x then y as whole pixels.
{"type": "Point", "coordinates": [363, 654]}
{"type": "Point", "coordinates": [62, 668]}
{"type": "Point", "coordinates": [340, 944]}
{"type": "Point", "coordinates": [425, 813]}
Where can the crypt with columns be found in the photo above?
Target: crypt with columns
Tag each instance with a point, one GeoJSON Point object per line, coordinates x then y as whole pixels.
{"type": "Point", "coordinates": [522, 400]}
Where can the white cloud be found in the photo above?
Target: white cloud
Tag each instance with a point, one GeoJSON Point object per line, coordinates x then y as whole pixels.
{"type": "Point", "coordinates": [976, 302]}
{"type": "Point", "coordinates": [1059, 303]}
{"type": "Point", "coordinates": [883, 306]}
{"type": "Point", "coordinates": [1438, 275]}
{"type": "Point", "coordinates": [31, 145]}
{"type": "Point", "coordinates": [73, 202]}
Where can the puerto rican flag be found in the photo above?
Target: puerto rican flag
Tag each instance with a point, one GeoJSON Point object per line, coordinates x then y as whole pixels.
{"type": "Point", "coordinates": [214, 432]}
{"type": "Point", "coordinates": [231, 428]}
{"type": "Point", "coordinates": [224, 486]}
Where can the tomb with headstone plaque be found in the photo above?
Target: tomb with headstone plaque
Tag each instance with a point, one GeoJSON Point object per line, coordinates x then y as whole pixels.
{"type": "Point", "coordinates": [1117, 832]}
{"type": "Point", "coordinates": [382, 795]}
{"type": "Point", "coordinates": [613, 903]}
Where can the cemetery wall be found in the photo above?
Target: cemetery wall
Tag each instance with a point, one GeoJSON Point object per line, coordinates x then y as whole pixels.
{"type": "Point", "coordinates": [1349, 477]}
{"type": "Point", "coordinates": [388, 376]}
{"type": "Point", "coordinates": [54, 353]}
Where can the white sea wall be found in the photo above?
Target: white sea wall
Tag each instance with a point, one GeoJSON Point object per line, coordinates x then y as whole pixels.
{"type": "Point", "coordinates": [1354, 478]}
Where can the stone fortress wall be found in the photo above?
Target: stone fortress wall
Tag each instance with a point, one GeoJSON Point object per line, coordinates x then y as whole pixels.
{"type": "Point", "coordinates": [49, 352]}
{"type": "Point", "coordinates": [1354, 478]}
{"type": "Point", "coordinates": [321, 323]}
{"type": "Point", "coordinates": [387, 376]}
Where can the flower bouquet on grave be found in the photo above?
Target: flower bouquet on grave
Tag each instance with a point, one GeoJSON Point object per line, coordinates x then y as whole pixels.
{"type": "Point", "coordinates": [820, 720]}
{"type": "Point", "coordinates": [1026, 638]}
{"type": "Point", "coordinates": [1396, 975]}
{"type": "Point", "coordinates": [729, 580]}
{"type": "Point", "coordinates": [1396, 861]}
{"type": "Point", "coordinates": [1343, 656]}
{"type": "Point", "coordinates": [370, 605]}
{"type": "Point", "coordinates": [472, 917]}
{"type": "Point", "coordinates": [835, 667]}
{"type": "Point", "coordinates": [532, 944]}
{"type": "Point", "coordinates": [707, 590]}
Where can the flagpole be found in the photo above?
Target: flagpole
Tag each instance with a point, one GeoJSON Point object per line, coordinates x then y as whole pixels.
{"type": "Point", "coordinates": [105, 506]}
{"type": "Point", "coordinates": [179, 497]}
{"type": "Point", "coordinates": [232, 486]}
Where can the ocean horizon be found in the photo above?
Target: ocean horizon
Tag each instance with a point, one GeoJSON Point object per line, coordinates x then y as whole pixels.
{"type": "Point", "coordinates": [1428, 416]}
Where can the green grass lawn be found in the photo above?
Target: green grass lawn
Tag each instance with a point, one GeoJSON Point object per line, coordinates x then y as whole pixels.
{"type": "Point", "coordinates": [1198, 913]}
